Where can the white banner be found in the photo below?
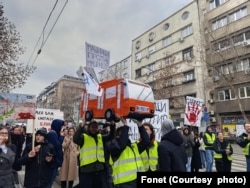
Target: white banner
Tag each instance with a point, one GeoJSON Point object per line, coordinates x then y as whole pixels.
{"type": "Point", "coordinates": [161, 113]}
{"type": "Point", "coordinates": [97, 57]}
{"type": "Point", "coordinates": [44, 117]}
{"type": "Point", "coordinates": [193, 111]}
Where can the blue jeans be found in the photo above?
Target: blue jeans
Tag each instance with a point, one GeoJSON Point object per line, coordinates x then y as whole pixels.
{"type": "Point", "coordinates": [53, 177]}
{"type": "Point", "coordinates": [209, 160]}
{"type": "Point", "coordinates": [188, 165]}
{"type": "Point", "coordinates": [203, 158]}
{"type": "Point", "coordinates": [248, 163]}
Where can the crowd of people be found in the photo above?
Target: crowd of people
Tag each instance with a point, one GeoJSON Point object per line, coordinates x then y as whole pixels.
{"type": "Point", "coordinates": [101, 155]}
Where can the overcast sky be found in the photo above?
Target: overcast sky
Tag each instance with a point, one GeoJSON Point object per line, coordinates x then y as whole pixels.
{"type": "Point", "coordinates": [109, 24]}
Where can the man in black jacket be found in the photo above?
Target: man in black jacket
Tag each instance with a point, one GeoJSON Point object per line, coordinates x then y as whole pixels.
{"type": "Point", "coordinates": [172, 156]}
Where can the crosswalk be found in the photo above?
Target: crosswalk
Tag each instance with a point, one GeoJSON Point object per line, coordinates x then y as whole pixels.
{"type": "Point", "coordinates": [238, 164]}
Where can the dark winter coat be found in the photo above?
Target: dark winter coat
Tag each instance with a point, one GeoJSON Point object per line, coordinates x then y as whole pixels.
{"type": "Point", "coordinates": [56, 139]}
{"type": "Point", "coordinates": [196, 158]}
{"type": "Point", "coordinates": [37, 170]}
{"type": "Point", "coordinates": [6, 172]}
{"type": "Point", "coordinates": [171, 151]}
{"type": "Point", "coordinates": [18, 140]}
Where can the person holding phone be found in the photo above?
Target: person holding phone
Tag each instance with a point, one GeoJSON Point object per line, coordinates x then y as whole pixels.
{"type": "Point", "coordinates": [38, 161]}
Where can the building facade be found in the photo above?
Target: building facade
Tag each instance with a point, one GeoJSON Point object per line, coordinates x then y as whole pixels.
{"type": "Point", "coordinates": [64, 95]}
{"type": "Point", "coordinates": [121, 69]}
{"type": "Point", "coordinates": [170, 58]}
{"type": "Point", "coordinates": [226, 34]}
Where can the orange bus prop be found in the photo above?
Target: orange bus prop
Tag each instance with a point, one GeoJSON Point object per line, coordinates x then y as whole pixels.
{"type": "Point", "coordinates": [122, 97]}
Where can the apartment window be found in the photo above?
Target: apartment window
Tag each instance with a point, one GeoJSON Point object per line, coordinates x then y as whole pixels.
{"type": "Point", "coordinates": [151, 67]}
{"type": "Point", "coordinates": [219, 23]}
{"type": "Point", "coordinates": [226, 94]}
{"type": "Point", "coordinates": [215, 3]}
{"type": "Point", "coordinates": [187, 53]}
{"type": "Point", "coordinates": [188, 76]}
{"type": "Point", "coordinates": [226, 69]}
{"type": "Point", "coordinates": [238, 14]}
{"type": "Point", "coordinates": [151, 49]}
{"type": "Point", "coordinates": [138, 56]}
{"type": "Point", "coordinates": [138, 73]}
{"type": "Point", "coordinates": [166, 26]}
{"type": "Point", "coordinates": [125, 64]}
{"type": "Point", "coordinates": [167, 41]}
{"type": "Point", "coordinates": [238, 38]}
{"type": "Point", "coordinates": [242, 65]}
{"type": "Point", "coordinates": [224, 44]}
{"type": "Point", "coordinates": [247, 35]}
{"type": "Point", "coordinates": [185, 15]}
{"type": "Point", "coordinates": [168, 60]}
{"type": "Point", "coordinates": [244, 92]}
{"type": "Point", "coordinates": [186, 31]}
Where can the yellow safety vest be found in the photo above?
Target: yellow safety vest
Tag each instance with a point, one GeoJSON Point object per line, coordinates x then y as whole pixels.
{"type": "Point", "coordinates": [125, 168]}
{"type": "Point", "coordinates": [150, 158]}
{"type": "Point", "coordinates": [219, 155]}
{"type": "Point", "coordinates": [91, 151]}
{"type": "Point", "coordinates": [210, 139]}
{"type": "Point", "coordinates": [246, 148]}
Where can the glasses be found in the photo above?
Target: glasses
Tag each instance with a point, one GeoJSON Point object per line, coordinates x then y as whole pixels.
{"type": "Point", "coordinates": [3, 133]}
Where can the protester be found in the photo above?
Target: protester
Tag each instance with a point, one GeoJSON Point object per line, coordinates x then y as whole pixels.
{"type": "Point", "coordinates": [69, 170]}
{"type": "Point", "coordinates": [108, 174]}
{"type": "Point", "coordinates": [189, 144]}
{"type": "Point", "coordinates": [202, 150]}
{"type": "Point", "coordinates": [125, 156]}
{"type": "Point", "coordinates": [196, 158]}
{"type": "Point", "coordinates": [171, 152]}
{"type": "Point", "coordinates": [18, 139]}
{"type": "Point", "coordinates": [7, 159]}
{"type": "Point", "coordinates": [92, 160]}
{"type": "Point", "coordinates": [150, 155]}
{"type": "Point", "coordinates": [38, 161]}
{"type": "Point", "coordinates": [209, 138]}
{"type": "Point", "coordinates": [222, 154]}
{"type": "Point", "coordinates": [244, 142]}
{"type": "Point", "coordinates": [55, 137]}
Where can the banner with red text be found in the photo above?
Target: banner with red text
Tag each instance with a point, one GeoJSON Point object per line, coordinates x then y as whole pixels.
{"type": "Point", "coordinates": [44, 117]}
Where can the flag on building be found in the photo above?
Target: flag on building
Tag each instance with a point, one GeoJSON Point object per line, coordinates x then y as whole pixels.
{"type": "Point", "coordinates": [91, 84]}
{"type": "Point", "coordinates": [193, 111]}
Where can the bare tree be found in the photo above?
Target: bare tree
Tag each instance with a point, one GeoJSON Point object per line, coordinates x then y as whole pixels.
{"type": "Point", "coordinates": [13, 75]}
{"type": "Point", "coordinates": [222, 58]}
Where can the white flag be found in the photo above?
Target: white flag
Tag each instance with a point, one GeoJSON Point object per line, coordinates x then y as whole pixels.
{"type": "Point", "coordinates": [91, 85]}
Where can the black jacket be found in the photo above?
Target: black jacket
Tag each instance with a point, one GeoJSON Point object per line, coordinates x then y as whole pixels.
{"type": "Point", "coordinates": [171, 151]}
{"type": "Point", "coordinates": [38, 171]}
{"type": "Point", "coordinates": [116, 146]}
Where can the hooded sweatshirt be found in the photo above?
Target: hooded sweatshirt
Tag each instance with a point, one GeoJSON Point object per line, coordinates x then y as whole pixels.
{"type": "Point", "coordinates": [56, 139]}
{"type": "Point", "coordinates": [172, 155]}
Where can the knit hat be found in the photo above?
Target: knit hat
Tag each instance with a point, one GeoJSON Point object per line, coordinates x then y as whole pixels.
{"type": "Point", "coordinates": [42, 131]}
{"type": "Point", "coordinates": [166, 126]}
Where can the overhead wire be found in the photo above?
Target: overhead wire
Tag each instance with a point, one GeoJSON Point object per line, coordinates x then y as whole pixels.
{"type": "Point", "coordinates": [42, 34]}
